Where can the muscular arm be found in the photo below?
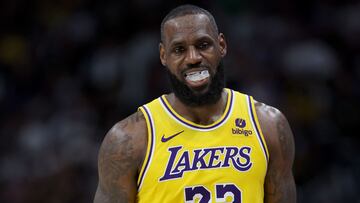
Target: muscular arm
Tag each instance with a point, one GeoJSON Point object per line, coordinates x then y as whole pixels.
{"type": "Point", "coordinates": [279, 181]}
{"type": "Point", "coordinates": [120, 158]}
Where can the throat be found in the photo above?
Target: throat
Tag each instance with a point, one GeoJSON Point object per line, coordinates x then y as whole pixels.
{"type": "Point", "coordinates": [201, 115]}
{"type": "Point", "coordinates": [205, 116]}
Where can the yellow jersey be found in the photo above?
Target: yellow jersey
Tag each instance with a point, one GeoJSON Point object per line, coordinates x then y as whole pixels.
{"type": "Point", "coordinates": [187, 162]}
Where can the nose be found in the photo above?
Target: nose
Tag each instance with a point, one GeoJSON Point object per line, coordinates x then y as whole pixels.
{"type": "Point", "coordinates": [193, 56]}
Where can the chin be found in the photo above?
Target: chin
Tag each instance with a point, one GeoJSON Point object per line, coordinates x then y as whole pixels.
{"type": "Point", "coordinates": [201, 90]}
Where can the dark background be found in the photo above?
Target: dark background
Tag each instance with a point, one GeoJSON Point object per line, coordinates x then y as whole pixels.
{"type": "Point", "coordinates": [70, 69]}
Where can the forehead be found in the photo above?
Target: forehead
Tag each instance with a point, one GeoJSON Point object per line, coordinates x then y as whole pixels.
{"type": "Point", "coordinates": [188, 26]}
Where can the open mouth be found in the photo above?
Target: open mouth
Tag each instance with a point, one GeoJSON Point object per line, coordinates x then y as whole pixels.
{"type": "Point", "coordinates": [196, 78]}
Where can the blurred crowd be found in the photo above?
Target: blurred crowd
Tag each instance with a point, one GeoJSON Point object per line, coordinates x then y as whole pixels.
{"type": "Point", "coordinates": [69, 70]}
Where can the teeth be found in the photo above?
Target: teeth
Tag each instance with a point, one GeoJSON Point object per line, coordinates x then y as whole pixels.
{"type": "Point", "coordinates": [197, 75]}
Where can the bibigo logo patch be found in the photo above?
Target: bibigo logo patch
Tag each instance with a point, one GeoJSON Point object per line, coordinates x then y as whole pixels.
{"type": "Point", "coordinates": [240, 125]}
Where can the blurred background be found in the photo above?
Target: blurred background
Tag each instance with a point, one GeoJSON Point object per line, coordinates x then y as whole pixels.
{"type": "Point", "coordinates": [70, 69]}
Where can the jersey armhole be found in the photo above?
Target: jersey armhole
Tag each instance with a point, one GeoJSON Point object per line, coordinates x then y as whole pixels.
{"type": "Point", "coordinates": [257, 126]}
{"type": "Point", "coordinates": [150, 145]}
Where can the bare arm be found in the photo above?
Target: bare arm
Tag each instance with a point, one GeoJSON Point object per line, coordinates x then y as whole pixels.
{"type": "Point", "coordinates": [279, 182]}
{"type": "Point", "coordinates": [120, 158]}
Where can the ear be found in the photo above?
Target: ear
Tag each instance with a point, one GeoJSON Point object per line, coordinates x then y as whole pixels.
{"type": "Point", "coordinates": [223, 45]}
{"type": "Point", "coordinates": [162, 54]}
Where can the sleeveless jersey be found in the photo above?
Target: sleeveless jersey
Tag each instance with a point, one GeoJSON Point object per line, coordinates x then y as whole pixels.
{"type": "Point", "coordinates": [187, 162]}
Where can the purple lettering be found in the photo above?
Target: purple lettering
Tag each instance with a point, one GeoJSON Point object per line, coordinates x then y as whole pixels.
{"type": "Point", "coordinates": [214, 156]}
{"type": "Point", "coordinates": [183, 164]}
{"type": "Point", "coordinates": [173, 152]}
{"type": "Point", "coordinates": [231, 152]}
{"type": "Point", "coordinates": [246, 155]}
{"type": "Point", "coordinates": [198, 159]}
{"type": "Point", "coordinates": [207, 158]}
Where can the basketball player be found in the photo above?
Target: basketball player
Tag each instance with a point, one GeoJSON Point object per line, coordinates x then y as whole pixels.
{"type": "Point", "coordinates": [203, 142]}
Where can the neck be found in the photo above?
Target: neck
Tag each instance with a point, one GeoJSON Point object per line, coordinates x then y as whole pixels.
{"type": "Point", "coordinates": [203, 115]}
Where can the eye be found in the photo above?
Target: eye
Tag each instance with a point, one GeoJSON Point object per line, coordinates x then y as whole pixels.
{"type": "Point", "coordinates": [178, 49]}
{"type": "Point", "coordinates": [203, 45]}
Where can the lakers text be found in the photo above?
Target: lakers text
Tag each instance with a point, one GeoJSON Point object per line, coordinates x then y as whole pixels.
{"type": "Point", "coordinates": [181, 161]}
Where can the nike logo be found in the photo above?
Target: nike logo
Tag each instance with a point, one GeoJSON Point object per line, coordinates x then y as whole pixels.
{"type": "Point", "coordinates": [165, 139]}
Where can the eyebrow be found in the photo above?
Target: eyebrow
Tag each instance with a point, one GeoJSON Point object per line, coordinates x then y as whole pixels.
{"type": "Point", "coordinates": [178, 42]}
{"type": "Point", "coordinates": [205, 37]}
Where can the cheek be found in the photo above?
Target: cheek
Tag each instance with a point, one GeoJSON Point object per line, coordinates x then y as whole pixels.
{"type": "Point", "coordinates": [172, 68]}
{"type": "Point", "coordinates": [175, 63]}
{"type": "Point", "coordinates": [175, 59]}
{"type": "Point", "coordinates": [213, 58]}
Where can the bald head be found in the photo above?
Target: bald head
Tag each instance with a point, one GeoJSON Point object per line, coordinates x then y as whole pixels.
{"type": "Point", "coordinates": [187, 10]}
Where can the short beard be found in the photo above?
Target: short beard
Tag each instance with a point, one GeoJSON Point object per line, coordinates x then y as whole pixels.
{"type": "Point", "coordinates": [194, 99]}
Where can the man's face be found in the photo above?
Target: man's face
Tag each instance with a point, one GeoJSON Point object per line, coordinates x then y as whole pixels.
{"type": "Point", "coordinates": [192, 51]}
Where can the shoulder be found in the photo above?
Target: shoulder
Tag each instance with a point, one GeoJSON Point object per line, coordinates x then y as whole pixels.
{"type": "Point", "coordinates": [127, 139]}
{"type": "Point", "coordinates": [279, 182]}
{"type": "Point", "coordinates": [120, 158]}
{"type": "Point", "coordinates": [269, 117]}
{"type": "Point", "coordinates": [276, 130]}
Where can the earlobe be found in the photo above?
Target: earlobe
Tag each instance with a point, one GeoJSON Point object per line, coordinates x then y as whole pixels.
{"type": "Point", "coordinates": [162, 54]}
{"type": "Point", "coordinates": [223, 45]}
{"type": "Point", "coordinates": [223, 52]}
